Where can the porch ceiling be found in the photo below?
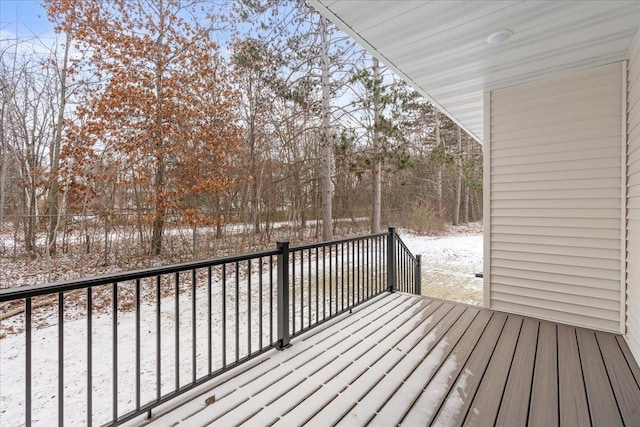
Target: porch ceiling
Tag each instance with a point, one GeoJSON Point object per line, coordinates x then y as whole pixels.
{"type": "Point", "coordinates": [441, 47]}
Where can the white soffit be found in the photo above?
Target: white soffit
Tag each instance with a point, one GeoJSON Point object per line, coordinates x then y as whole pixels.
{"type": "Point", "coordinates": [441, 47]}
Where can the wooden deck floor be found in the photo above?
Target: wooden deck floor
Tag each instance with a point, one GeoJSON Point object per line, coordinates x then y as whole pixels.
{"type": "Point", "coordinates": [407, 360]}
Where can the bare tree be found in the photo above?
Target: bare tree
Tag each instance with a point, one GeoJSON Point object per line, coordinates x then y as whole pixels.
{"type": "Point", "coordinates": [326, 184]}
{"type": "Point", "coordinates": [27, 122]}
{"type": "Point", "coordinates": [459, 173]}
{"type": "Point", "coordinates": [53, 203]}
{"type": "Point", "coordinates": [377, 148]}
{"type": "Point", "coordinates": [438, 183]}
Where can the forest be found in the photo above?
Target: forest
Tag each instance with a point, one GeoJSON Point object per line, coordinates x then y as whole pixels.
{"type": "Point", "coordinates": [155, 131]}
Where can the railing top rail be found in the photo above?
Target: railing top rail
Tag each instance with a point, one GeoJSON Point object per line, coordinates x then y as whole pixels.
{"type": "Point", "coordinates": [31, 291]}
{"type": "Point", "coordinates": [335, 242]}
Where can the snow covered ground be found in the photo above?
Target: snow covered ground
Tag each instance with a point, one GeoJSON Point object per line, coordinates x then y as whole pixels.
{"type": "Point", "coordinates": [449, 265]}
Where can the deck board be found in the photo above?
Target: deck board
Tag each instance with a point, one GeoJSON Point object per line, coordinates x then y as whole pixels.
{"type": "Point", "coordinates": [518, 388]}
{"type": "Point", "coordinates": [486, 403]}
{"type": "Point", "coordinates": [459, 399]}
{"type": "Point", "coordinates": [543, 410]}
{"type": "Point", "coordinates": [633, 367]}
{"type": "Point", "coordinates": [574, 410]}
{"type": "Point", "coordinates": [602, 402]}
{"type": "Point", "coordinates": [625, 388]}
{"type": "Point", "coordinates": [406, 360]}
{"type": "Point", "coordinates": [427, 403]}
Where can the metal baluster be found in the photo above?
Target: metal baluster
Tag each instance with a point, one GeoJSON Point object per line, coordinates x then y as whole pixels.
{"type": "Point", "coordinates": [405, 269]}
{"type": "Point", "coordinates": [391, 259]}
{"type": "Point", "coordinates": [400, 267]}
{"type": "Point", "coordinates": [260, 302]}
{"type": "Point", "coordinates": [380, 260]}
{"type": "Point", "coordinates": [224, 315]}
{"type": "Point", "coordinates": [209, 326]}
{"type": "Point", "coordinates": [374, 260]}
{"type": "Point", "coordinates": [382, 270]}
{"type": "Point", "coordinates": [365, 270]}
{"type": "Point", "coordinates": [418, 275]}
{"type": "Point", "coordinates": [293, 292]}
{"type": "Point", "coordinates": [330, 280]}
{"type": "Point", "coordinates": [271, 297]}
{"type": "Point", "coordinates": [283, 296]}
{"type": "Point", "coordinates": [301, 290]}
{"type": "Point", "coordinates": [60, 358]}
{"type": "Point", "coordinates": [137, 303]}
{"type": "Point", "coordinates": [158, 340]}
{"type": "Point", "coordinates": [400, 262]}
{"type": "Point", "coordinates": [193, 325]}
{"type": "Point", "coordinates": [342, 276]}
{"type": "Point", "coordinates": [353, 273]}
{"type": "Point", "coordinates": [249, 307]}
{"type": "Point", "coordinates": [362, 270]}
{"type": "Point", "coordinates": [237, 310]}
{"type": "Point", "coordinates": [317, 286]}
{"type": "Point", "coordinates": [177, 329]}
{"type": "Point", "coordinates": [114, 327]}
{"type": "Point", "coordinates": [89, 355]}
{"type": "Point", "coordinates": [324, 283]}
{"type": "Point", "coordinates": [359, 268]}
{"type": "Point", "coordinates": [27, 367]}
{"type": "Point", "coordinates": [309, 282]}
{"type": "Point", "coordinates": [368, 270]}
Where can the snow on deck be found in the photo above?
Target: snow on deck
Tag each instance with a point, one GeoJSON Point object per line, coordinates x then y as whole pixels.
{"type": "Point", "coordinates": [403, 359]}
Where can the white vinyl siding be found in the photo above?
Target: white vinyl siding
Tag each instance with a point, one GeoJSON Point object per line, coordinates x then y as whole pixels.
{"type": "Point", "coordinates": [633, 199]}
{"type": "Point", "coordinates": [556, 197]}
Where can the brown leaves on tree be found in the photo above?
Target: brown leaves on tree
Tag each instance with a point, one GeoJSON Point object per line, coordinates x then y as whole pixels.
{"type": "Point", "coordinates": [160, 117]}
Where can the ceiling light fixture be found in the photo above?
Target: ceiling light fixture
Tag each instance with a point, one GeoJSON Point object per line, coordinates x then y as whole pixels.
{"type": "Point", "coordinates": [499, 37]}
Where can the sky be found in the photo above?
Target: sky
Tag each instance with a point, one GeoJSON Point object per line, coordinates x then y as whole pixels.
{"type": "Point", "coordinates": [24, 17]}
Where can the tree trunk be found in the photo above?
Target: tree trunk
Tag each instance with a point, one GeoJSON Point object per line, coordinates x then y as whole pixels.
{"type": "Point", "coordinates": [29, 224]}
{"type": "Point", "coordinates": [29, 165]}
{"type": "Point", "coordinates": [377, 150]}
{"type": "Point", "coordinates": [160, 209]}
{"type": "Point", "coordinates": [439, 167]}
{"type": "Point", "coordinates": [254, 185]}
{"type": "Point", "coordinates": [4, 154]}
{"type": "Point", "coordinates": [159, 181]}
{"type": "Point", "coordinates": [255, 199]}
{"type": "Point", "coordinates": [217, 204]}
{"type": "Point", "coordinates": [327, 148]}
{"type": "Point", "coordinates": [456, 211]}
{"type": "Point", "coordinates": [3, 177]}
{"type": "Point", "coordinates": [467, 154]}
{"type": "Point", "coordinates": [53, 207]}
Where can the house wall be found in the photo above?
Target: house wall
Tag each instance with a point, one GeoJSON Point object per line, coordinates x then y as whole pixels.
{"type": "Point", "coordinates": [633, 199]}
{"type": "Point", "coordinates": [554, 204]}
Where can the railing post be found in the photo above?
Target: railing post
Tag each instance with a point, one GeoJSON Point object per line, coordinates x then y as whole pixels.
{"type": "Point", "coordinates": [418, 275]}
{"type": "Point", "coordinates": [283, 296]}
{"type": "Point", "coordinates": [391, 260]}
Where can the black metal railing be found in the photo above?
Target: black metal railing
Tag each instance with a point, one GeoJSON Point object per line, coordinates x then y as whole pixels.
{"type": "Point", "coordinates": [408, 277]}
{"type": "Point", "coordinates": [154, 334]}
